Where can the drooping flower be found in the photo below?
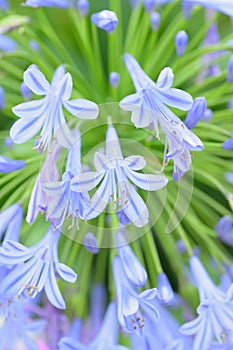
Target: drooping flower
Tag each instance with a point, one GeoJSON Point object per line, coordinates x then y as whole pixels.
{"type": "Point", "coordinates": [49, 3]}
{"type": "Point", "coordinates": [47, 113]}
{"type": "Point", "coordinates": [114, 172]}
{"type": "Point", "coordinates": [64, 202]}
{"type": "Point", "coordinates": [155, 20]}
{"type": "Point", "coordinates": [34, 269]}
{"type": "Point", "coordinates": [149, 105]}
{"type": "Point", "coordinates": [181, 42]}
{"type": "Point", "coordinates": [215, 312]}
{"type": "Point", "coordinates": [106, 338]}
{"type": "Point", "coordinates": [136, 311]}
{"type": "Point", "coordinates": [106, 20]}
{"type": "Point", "coordinates": [48, 173]}
{"type": "Point", "coordinates": [8, 165]}
{"type": "Point", "coordinates": [165, 293]}
{"type": "Point", "coordinates": [7, 44]}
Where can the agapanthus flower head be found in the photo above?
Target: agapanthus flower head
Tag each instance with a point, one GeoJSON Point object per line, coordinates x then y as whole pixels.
{"type": "Point", "coordinates": [114, 174]}
{"type": "Point", "coordinates": [181, 42]}
{"type": "Point", "coordinates": [215, 312]}
{"type": "Point", "coordinates": [106, 338]}
{"type": "Point", "coordinates": [34, 269]}
{"type": "Point", "coordinates": [64, 202]}
{"type": "Point", "coordinates": [8, 165]}
{"type": "Point", "coordinates": [47, 113]}
{"type": "Point", "coordinates": [106, 20]}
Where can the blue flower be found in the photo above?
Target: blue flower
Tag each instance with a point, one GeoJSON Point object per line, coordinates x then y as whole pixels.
{"type": "Point", "coordinates": [25, 91]}
{"type": "Point", "coordinates": [114, 172]}
{"type": "Point", "coordinates": [114, 79]}
{"type": "Point", "coordinates": [136, 312]}
{"type": "Point", "coordinates": [90, 243]}
{"type": "Point", "coordinates": [10, 222]}
{"type": "Point", "coordinates": [16, 327]}
{"type": "Point", "coordinates": [196, 112]}
{"type": "Point", "coordinates": [215, 312]}
{"type": "Point", "coordinates": [230, 70]}
{"type": "Point", "coordinates": [228, 144]}
{"type": "Point", "coordinates": [8, 165]}
{"type": "Point", "coordinates": [47, 113]}
{"type": "Point", "coordinates": [83, 7]}
{"type": "Point", "coordinates": [165, 293]}
{"type": "Point", "coordinates": [64, 201]}
{"type": "Point", "coordinates": [49, 3]}
{"type": "Point", "coordinates": [35, 269]}
{"type": "Point", "coordinates": [155, 20]}
{"type": "Point", "coordinates": [224, 230]}
{"type": "Point", "coordinates": [106, 338]}
{"type": "Point", "coordinates": [48, 173]}
{"type": "Point", "coordinates": [105, 19]}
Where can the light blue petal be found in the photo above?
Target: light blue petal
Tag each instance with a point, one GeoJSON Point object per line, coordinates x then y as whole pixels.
{"type": "Point", "coordinates": [101, 162]}
{"type": "Point", "coordinates": [86, 181]}
{"type": "Point", "coordinates": [135, 209]}
{"type": "Point", "coordinates": [36, 81]}
{"type": "Point", "coordinates": [52, 291]}
{"type": "Point", "coordinates": [74, 152]}
{"type": "Point", "coordinates": [90, 243]}
{"type": "Point", "coordinates": [204, 337]}
{"type": "Point", "coordinates": [7, 44]}
{"type": "Point", "coordinates": [31, 109]}
{"type": "Point", "coordinates": [176, 98]}
{"type": "Point", "coordinates": [139, 77]}
{"type": "Point", "coordinates": [25, 128]}
{"type": "Point", "coordinates": [165, 79]}
{"type": "Point", "coordinates": [66, 273]}
{"type": "Point", "coordinates": [57, 76]}
{"type": "Point", "coordinates": [70, 344]}
{"type": "Point", "coordinates": [192, 327]}
{"type": "Point", "coordinates": [63, 89]}
{"type": "Point", "coordinates": [134, 162]}
{"type": "Point", "coordinates": [82, 109]}
{"type": "Point", "coordinates": [113, 148]}
{"type": "Point", "coordinates": [219, 5]}
{"type": "Point", "coordinates": [7, 221]}
{"type": "Point", "coordinates": [148, 182]}
{"type": "Point", "coordinates": [100, 199]}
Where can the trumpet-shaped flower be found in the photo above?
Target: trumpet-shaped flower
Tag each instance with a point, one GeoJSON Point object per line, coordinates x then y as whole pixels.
{"type": "Point", "coordinates": [215, 312]}
{"type": "Point", "coordinates": [47, 113]}
{"type": "Point", "coordinates": [106, 338]}
{"type": "Point", "coordinates": [114, 172]}
{"type": "Point", "coordinates": [8, 165]}
{"type": "Point", "coordinates": [64, 202]}
{"type": "Point", "coordinates": [136, 312]}
{"type": "Point", "coordinates": [149, 105]}
{"type": "Point", "coordinates": [35, 269]}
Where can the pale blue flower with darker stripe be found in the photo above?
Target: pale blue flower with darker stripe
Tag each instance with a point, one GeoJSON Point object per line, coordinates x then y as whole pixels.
{"type": "Point", "coordinates": [47, 113]}
{"type": "Point", "coordinates": [34, 269]}
{"type": "Point", "coordinates": [114, 174]}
